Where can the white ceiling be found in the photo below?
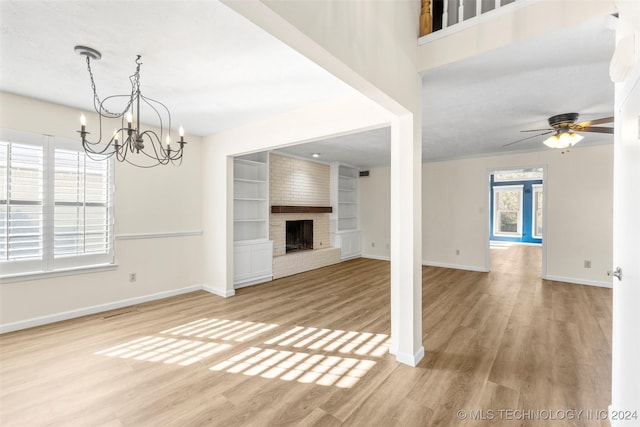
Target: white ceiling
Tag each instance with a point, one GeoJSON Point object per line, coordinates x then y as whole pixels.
{"type": "Point", "coordinates": [215, 70]}
{"type": "Point", "coordinates": [476, 106]}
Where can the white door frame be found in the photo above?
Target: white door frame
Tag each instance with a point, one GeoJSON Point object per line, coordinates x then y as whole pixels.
{"type": "Point", "coordinates": [487, 231]}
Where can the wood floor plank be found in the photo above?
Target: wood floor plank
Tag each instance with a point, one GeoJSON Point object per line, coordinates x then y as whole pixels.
{"type": "Point", "coordinates": [312, 350]}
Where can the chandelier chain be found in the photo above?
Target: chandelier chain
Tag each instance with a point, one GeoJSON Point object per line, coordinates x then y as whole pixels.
{"type": "Point", "coordinates": [99, 105]}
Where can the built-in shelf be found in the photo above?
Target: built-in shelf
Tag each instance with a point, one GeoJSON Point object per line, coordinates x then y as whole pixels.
{"type": "Point", "coordinates": [344, 220]}
{"type": "Point", "coordinates": [301, 209]}
{"type": "Point", "coordinates": [253, 251]}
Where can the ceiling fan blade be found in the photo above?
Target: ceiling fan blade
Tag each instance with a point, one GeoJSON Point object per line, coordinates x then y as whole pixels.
{"type": "Point", "coordinates": [595, 122]}
{"type": "Point", "coordinates": [536, 130]}
{"type": "Point", "coordinates": [529, 137]}
{"type": "Point", "coordinates": [596, 129]}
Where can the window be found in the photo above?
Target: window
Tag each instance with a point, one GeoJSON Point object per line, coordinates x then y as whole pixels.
{"type": "Point", "coordinates": [56, 205]}
{"type": "Point", "coordinates": [518, 175]}
{"type": "Point", "coordinates": [537, 223]}
{"type": "Point", "coordinates": [507, 215]}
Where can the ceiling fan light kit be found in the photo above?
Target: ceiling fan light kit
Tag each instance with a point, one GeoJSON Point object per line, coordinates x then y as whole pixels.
{"type": "Point", "coordinates": [564, 128]}
{"type": "Point", "coordinates": [563, 139]}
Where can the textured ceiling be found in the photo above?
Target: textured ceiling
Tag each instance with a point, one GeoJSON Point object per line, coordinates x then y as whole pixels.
{"type": "Point", "coordinates": [215, 70]}
{"type": "Point", "coordinates": [476, 106]}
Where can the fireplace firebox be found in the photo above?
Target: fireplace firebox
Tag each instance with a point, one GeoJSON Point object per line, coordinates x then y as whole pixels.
{"type": "Point", "coordinates": [299, 235]}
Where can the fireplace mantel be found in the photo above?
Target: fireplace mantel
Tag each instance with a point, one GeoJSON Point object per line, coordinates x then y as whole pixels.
{"type": "Point", "coordinates": [301, 209]}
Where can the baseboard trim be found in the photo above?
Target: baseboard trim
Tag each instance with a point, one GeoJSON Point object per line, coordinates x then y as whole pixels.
{"type": "Point", "coordinates": [136, 236]}
{"type": "Point", "coordinates": [255, 281]}
{"type": "Point", "coordinates": [575, 281]}
{"type": "Point", "coordinates": [72, 314]}
{"type": "Point", "coordinates": [454, 266]}
{"type": "Point", "coordinates": [224, 294]}
{"type": "Point", "coordinates": [378, 257]}
{"type": "Point", "coordinates": [410, 359]}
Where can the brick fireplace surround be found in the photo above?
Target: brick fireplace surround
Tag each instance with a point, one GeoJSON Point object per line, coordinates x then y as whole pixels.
{"type": "Point", "coordinates": [297, 182]}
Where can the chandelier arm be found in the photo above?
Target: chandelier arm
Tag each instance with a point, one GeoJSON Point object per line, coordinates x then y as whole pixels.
{"type": "Point", "coordinates": [160, 159]}
{"type": "Point", "coordinates": [141, 166]}
{"type": "Point", "coordinates": [150, 102]}
{"type": "Point", "coordinates": [129, 138]}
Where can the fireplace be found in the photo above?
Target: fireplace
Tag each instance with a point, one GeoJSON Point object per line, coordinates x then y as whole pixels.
{"type": "Point", "coordinates": [299, 235]}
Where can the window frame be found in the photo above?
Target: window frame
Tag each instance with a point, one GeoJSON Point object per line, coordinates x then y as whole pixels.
{"type": "Point", "coordinates": [496, 212]}
{"type": "Point", "coordinates": [49, 263]}
{"type": "Point", "coordinates": [536, 188]}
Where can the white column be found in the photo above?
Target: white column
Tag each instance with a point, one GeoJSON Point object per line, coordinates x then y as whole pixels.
{"type": "Point", "coordinates": [217, 220]}
{"type": "Point", "coordinates": [406, 241]}
{"type": "Point", "coordinates": [625, 353]}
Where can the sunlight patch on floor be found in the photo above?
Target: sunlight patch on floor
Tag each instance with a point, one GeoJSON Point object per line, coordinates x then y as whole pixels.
{"type": "Point", "coordinates": [360, 343]}
{"type": "Point", "coordinates": [197, 340]}
{"type": "Point", "coordinates": [167, 350]}
{"type": "Point", "coordinates": [222, 329]}
{"type": "Point", "coordinates": [307, 368]}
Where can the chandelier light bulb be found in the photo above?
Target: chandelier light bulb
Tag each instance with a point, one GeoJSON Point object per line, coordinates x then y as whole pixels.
{"type": "Point", "coordinates": [181, 131]}
{"type": "Point", "coordinates": [129, 117]}
{"type": "Point", "coordinates": [168, 140]}
{"type": "Point", "coordinates": [83, 120]}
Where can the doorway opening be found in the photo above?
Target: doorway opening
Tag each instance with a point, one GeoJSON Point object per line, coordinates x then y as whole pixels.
{"type": "Point", "coordinates": [516, 220]}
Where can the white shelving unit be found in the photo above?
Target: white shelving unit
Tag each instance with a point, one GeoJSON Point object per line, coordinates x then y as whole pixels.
{"type": "Point", "coordinates": [253, 251]}
{"type": "Point", "coordinates": [344, 219]}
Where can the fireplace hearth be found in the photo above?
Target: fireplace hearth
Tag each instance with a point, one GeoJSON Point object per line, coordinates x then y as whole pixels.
{"type": "Point", "coordinates": [299, 235]}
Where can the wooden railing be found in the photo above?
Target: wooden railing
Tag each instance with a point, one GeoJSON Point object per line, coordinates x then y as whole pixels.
{"type": "Point", "coordinates": [440, 14]}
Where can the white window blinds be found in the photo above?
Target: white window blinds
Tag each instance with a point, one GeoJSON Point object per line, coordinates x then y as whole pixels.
{"type": "Point", "coordinates": [21, 201]}
{"type": "Point", "coordinates": [56, 205]}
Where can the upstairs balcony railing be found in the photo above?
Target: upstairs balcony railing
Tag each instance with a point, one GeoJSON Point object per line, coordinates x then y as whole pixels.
{"type": "Point", "coordinates": [438, 15]}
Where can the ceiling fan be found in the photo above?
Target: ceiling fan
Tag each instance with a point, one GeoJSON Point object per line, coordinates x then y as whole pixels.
{"type": "Point", "coordinates": [565, 128]}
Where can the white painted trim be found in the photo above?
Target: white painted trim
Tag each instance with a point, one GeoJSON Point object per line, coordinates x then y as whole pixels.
{"type": "Point", "coordinates": [507, 189]}
{"type": "Point", "coordinates": [473, 21]}
{"type": "Point", "coordinates": [378, 257]}
{"type": "Point", "coordinates": [410, 359]}
{"type": "Point", "coordinates": [455, 266]}
{"type": "Point", "coordinates": [507, 243]}
{"type": "Point", "coordinates": [536, 188]}
{"type": "Point", "coordinates": [43, 320]}
{"type": "Point", "coordinates": [576, 281]}
{"type": "Point", "coordinates": [135, 236]}
{"type": "Point", "coordinates": [218, 292]}
{"type": "Point", "coordinates": [253, 281]}
{"type": "Point", "coordinates": [22, 277]}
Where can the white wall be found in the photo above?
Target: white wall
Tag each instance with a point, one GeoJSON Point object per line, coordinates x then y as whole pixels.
{"type": "Point", "coordinates": [374, 212]}
{"type": "Point", "coordinates": [455, 215]}
{"type": "Point", "coordinates": [375, 39]}
{"type": "Point", "coordinates": [516, 22]}
{"type": "Point", "coordinates": [164, 199]}
{"type": "Point", "coordinates": [370, 46]}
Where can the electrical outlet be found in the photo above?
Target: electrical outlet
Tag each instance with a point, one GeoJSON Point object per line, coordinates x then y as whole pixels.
{"type": "Point", "coordinates": [587, 264]}
{"type": "Point", "coordinates": [132, 277]}
{"type": "Point", "coordinates": [457, 251]}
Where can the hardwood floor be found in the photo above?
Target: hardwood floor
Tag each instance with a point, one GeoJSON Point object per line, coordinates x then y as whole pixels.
{"type": "Point", "coordinates": [312, 350]}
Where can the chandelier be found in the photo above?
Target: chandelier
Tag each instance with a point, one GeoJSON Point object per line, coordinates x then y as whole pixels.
{"type": "Point", "coordinates": [129, 138]}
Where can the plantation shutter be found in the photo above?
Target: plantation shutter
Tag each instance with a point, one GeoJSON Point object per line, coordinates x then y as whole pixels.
{"type": "Point", "coordinates": [82, 209]}
{"type": "Point", "coordinates": [56, 205]}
